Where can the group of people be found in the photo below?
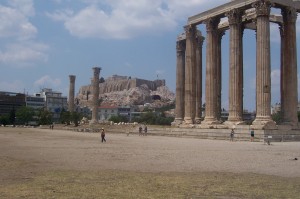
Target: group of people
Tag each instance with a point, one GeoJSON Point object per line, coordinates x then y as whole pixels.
{"type": "Point", "coordinates": [141, 130]}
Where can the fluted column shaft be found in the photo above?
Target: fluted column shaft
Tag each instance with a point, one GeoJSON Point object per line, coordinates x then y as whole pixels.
{"type": "Point", "coordinates": [199, 44]}
{"type": "Point", "coordinates": [189, 95]}
{"type": "Point", "coordinates": [289, 100]}
{"type": "Point", "coordinates": [219, 36]}
{"type": "Point", "coordinates": [263, 64]}
{"type": "Point", "coordinates": [211, 68]}
{"type": "Point", "coordinates": [235, 67]}
{"type": "Point", "coordinates": [180, 81]}
{"type": "Point", "coordinates": [71, 92]}
{"type": "Point", "coordinates": [95, 86]}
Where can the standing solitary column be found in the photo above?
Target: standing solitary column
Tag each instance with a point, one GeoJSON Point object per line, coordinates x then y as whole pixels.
{"type": "Point", "coordinates": [211, 68]}
{"type": "Point", "coordinates": [235, 67]}
{"type": "Point", "coordinates": [289, 84]}
{"type": "Point", "coordinates": [71, 93]}
{"type": "Point", "coordinates": [189, 102]}
{"type": "Point", "coordinates": [95, 86]}
{"type": "Point", "coordinates": [199, 44]}
{"type": "Point", "coordinates": [180, 74]}
{"type": "Point", "coordinates": [263, 65]}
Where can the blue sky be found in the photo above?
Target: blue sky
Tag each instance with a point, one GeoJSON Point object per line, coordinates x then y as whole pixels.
{"type": "Point", "coordinates": [42, 42]}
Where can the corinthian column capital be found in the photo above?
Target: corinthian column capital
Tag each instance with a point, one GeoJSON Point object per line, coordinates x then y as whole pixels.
{"type": "Point", "coordinates": [289, 14]}
{"type": "Point", "coordinates": [199, 39]}
{"type": "Point", "coordinates": [212, 24]}
{"type": "Point", "coordinates": [190, 31]}
{"type": "Point", "coordinates": [262, 7]}
{"type": "Point", "coordinates": [180, 47]}
{"type": "Point", "coordinates": [234, 16]}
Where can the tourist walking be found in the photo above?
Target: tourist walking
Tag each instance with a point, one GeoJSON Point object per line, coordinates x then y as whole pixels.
{"type": "Point", "coordinates": [231, 135]}
{"type": "Point", "coordinates": [145, 130]}
{"type": "Point", "coordinates": [140, 130]}
{"type": "Point", "coordinates": [103, 135]}
{"type": "Point", "coordinates": [252, 135]}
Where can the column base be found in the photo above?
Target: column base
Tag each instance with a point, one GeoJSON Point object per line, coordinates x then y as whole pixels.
{"type": "Point", "coordinates": [233, 124]}
{"type": "Point", "coordinates": [197, 120]}
{"type": "Point", "coordinates": [188, 120]}
{"type": "Point", "coordinates": [292, 125]}
{"type": "Point", "coordinates": [177, 122]}
{"type": "Point", "coordinates": [210, 121]}
{"type": "Point", "coordinates": [264, 123]}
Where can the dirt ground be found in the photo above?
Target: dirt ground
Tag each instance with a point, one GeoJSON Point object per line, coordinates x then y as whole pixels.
{"type": "Point", "coordinates": [29, 152]}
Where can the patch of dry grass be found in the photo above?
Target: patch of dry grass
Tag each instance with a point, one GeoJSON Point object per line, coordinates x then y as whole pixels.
{"type": "Point", "coordinates": [121, 184]}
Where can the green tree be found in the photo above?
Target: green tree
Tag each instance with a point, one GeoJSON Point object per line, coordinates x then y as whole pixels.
{"type": "Point", "coordinates": [65, 117]}
{"type": "Point", "coordinates": [12, 116]}
{"type": "Point", "coordinates": [76, 117]}
{"type": "Point", "coordinates": [118, 118]}
{"type": "Point", "coordinates": [277, 117]}
{"type": "Point", "coordinates": [101, 80]}
{"type": "Point", "coordinates": [45, 117]}
{"type": "Point", "coordinates": [4, 120]}
{"type": "Point", "coordinates": [25, 115]}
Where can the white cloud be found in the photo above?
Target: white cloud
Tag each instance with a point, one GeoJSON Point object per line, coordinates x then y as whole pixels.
{"type": "Point", "coordinates": [18, 36]}
{"type": "Point", "coordinates": [24, 54]}
{"type": "Point", "coordinates": [47, 81]}
{"type": "Point", "coordinates": [24, 6]}
{"type": "Point", "coordinates": [122, 19]}
{"type": "Point", "coordinates": [14, 24]}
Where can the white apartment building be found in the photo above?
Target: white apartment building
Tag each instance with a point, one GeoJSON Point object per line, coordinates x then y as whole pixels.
{"type": "Point", "coordinates": [54, 102]}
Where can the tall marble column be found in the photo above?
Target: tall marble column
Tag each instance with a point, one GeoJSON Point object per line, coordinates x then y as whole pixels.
{"type": "Point", "coordinates": [180, 80]}
{"type": "Point", "coordinates": [95, 87]}
{"type": "Point", "coordinates": [289, 100]}
{"type": "Point", "coordinates": [189, 95]}
{"type": "Point", "coordinates": [235, 67]}
{"type": "Point", "coordinates": [219, 35]}
{"type": "Point", "coordinates": [211, 68]}
{"type": "Point", "coordinates": [199, 44]}
{"type": "Point", "coordinates": [71, 92]}
{"type": "Point", "coordinates": [263, 65]}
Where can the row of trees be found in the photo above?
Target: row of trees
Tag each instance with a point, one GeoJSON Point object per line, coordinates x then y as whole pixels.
{"type": "Point", "coordinates": [149, 116]}
{"type": "Point", "coordinates": [29, 116]}
{"type": "Point", "coordinates": [25, 116]}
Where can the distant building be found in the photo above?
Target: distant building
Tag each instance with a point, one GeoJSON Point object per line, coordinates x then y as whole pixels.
{"type": "Point", "coordinates": [84, 111]}
{"type": "Point", "coordinates": [54, 102]}
{"type": "Point", "coordinates": [107, 111]}
{"type": "Point", "coordinates": [35, 101]}
{"type": "Point", "coordinates": [11, 101]}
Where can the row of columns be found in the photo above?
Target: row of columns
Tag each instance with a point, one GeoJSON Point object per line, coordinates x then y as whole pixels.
{"type": "Point", "coordinates": [189, 67]}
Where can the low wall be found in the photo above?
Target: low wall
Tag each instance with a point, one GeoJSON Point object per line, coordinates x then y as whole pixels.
{"type": "Point", "coordinates": [242, 133]}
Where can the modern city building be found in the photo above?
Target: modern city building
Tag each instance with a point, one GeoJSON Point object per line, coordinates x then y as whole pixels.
{"type": "Point", "coordinates": [35, 101]}
{"type": "Point", "coordinates": [107, 111]}
{"type": "Point", "coordinates": [11, 101]}
{"type": "Point", "coordinates": [54, 102]}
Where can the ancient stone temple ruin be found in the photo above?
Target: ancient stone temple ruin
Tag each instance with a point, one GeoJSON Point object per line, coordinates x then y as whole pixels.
{"type": "Point", "coordinates": [238, 15]}
{"type": "Point", "coordinates": [116, 83]}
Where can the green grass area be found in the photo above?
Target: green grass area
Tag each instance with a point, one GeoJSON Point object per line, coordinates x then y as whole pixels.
{"type": "Point", "coordinates": [123, 184]}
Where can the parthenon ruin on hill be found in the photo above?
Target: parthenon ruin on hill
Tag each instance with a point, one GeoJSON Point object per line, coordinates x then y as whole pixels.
{"type": "Point", "coordinates": [240, 15]}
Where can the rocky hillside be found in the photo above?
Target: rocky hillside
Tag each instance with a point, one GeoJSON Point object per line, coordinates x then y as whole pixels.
{"type": "Point", "coordinates": [124, 91]}
{"type": "Point", "coordinates": [138, 96]}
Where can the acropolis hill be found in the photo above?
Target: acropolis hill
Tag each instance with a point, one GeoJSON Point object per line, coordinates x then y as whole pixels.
{"type": "Point", "coordinates": [123, 90]}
